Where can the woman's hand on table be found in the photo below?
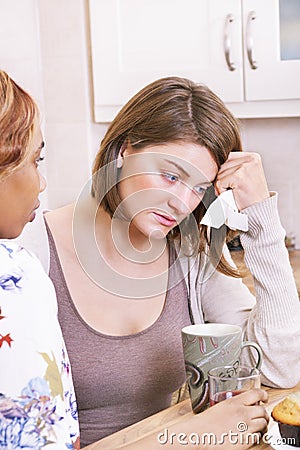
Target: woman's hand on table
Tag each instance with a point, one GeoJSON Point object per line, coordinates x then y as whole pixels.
{"type": "Point", "coordinates": [235, 419]}
{"type": "Point", "coordinates": [226, 425]}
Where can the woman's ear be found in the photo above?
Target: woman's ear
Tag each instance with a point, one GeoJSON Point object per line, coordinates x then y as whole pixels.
{"type": "Point", "coordinates": [120, 158]}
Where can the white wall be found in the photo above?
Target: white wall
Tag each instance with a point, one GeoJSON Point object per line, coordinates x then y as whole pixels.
{"type": "Point", "coordinates": [278, 142]}
{"type": "Point", "coordinates": [20, 48]}
{"type": "Point", "coordinates": [44, 45]}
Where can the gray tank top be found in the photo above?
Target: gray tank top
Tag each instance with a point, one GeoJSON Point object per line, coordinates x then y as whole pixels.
{"type": "Point", "coordinates": [120, 380]}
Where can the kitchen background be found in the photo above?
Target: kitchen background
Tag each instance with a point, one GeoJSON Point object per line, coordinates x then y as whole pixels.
{"type": "Point", "coordinates": [45, 46]}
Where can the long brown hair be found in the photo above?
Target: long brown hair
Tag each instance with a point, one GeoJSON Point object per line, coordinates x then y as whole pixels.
{"type": "Point", "coordinates": [17, 116]}
{"type": "Point", "coordinates": [169, 110]}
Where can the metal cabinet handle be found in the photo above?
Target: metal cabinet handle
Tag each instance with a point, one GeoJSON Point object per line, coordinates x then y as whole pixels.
{"type": "Point", "coordinates": [227, 42]}
{"type": "Point", "coordinates": [249, 40]}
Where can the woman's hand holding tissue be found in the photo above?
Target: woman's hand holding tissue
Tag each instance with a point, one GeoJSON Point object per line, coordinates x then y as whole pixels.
{"type": "Point", "coordinates": [244, 174]}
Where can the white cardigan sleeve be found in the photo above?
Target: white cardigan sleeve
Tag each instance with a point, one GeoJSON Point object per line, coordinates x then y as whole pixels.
{"type": "Point", "coordinates": [273, 320]}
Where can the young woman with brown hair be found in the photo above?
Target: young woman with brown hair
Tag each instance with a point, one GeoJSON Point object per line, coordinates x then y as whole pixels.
{"type": "Point", "coordinates": [132, 264]}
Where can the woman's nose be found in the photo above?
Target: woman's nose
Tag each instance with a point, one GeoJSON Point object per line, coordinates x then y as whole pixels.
{"type": "Point", "coordinates": [43, 182]}
{"type": "Point", "coordinates": [183, 201]}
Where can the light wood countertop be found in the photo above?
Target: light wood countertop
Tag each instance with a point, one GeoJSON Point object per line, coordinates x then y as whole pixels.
{"type": "Point", "coordinates": [153, 425]}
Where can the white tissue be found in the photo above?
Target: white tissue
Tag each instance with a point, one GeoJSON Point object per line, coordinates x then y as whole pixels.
{"type": "Point", "coordinates": [224, 210]}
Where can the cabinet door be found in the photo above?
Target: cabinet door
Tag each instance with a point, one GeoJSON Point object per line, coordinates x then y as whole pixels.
{"type": "Point", "coordinates": [137, 41]}
{"type": "Point", "coordinates": [271, 49]}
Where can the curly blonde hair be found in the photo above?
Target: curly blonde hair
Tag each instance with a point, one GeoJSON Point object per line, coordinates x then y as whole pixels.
{"type": "Point", "coordinates": [18, 112]}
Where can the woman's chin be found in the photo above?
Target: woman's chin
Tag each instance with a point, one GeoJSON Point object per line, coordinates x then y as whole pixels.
{"type": "Point", "coordinates": [157, 234]}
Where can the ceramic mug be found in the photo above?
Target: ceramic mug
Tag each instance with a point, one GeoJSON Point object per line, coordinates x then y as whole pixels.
{"type": "Point", "coordinates": [206, 346]}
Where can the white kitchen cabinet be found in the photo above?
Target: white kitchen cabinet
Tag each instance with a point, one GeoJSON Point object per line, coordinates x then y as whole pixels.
{"type": "Point", "coordinates": [272, 77]}
{"type": "Point", "coordinates": [233, 46]}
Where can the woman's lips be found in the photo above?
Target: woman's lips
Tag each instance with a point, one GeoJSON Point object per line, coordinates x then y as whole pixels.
{"type": "Point", "coordinates": [33, 214]}
{"type": "Point", "coordinates": [165, 220]}
{"type": "Point", "coordinates": [37, 205]}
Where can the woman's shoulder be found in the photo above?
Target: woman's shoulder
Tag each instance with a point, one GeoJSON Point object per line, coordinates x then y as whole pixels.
{"type": "Point", "coordinates": [60, 226]}
{"type": "Point", "coordinates": [60, 216]}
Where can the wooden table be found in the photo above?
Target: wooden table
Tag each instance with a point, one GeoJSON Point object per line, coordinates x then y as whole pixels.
{"type": "Point", "coordinates": [152, 425]}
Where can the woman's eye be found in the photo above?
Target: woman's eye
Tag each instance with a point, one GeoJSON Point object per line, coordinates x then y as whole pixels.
{"type": "Point", "coordinates": [199, 190]}
{"type": "Point", "coordinates": [171, 177]}
{"type": "Point", "coordinates": [39, 160]}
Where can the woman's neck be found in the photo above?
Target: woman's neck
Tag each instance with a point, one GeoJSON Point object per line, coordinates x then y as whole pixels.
{"type": "Point", "coordinates": [126, 241]}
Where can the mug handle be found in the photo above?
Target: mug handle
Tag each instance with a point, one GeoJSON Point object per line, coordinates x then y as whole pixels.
{"type": "Point", "coordinates": [258, 350]}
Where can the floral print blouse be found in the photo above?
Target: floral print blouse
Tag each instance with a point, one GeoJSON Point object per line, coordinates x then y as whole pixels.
{"type": "Point", "coordinates": [37, 400]}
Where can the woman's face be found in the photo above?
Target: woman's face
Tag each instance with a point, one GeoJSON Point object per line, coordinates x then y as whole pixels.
{"type": "Point", "coordinates": [161, 185]}
{"type": "Point", "coordinates": [19, 192]}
